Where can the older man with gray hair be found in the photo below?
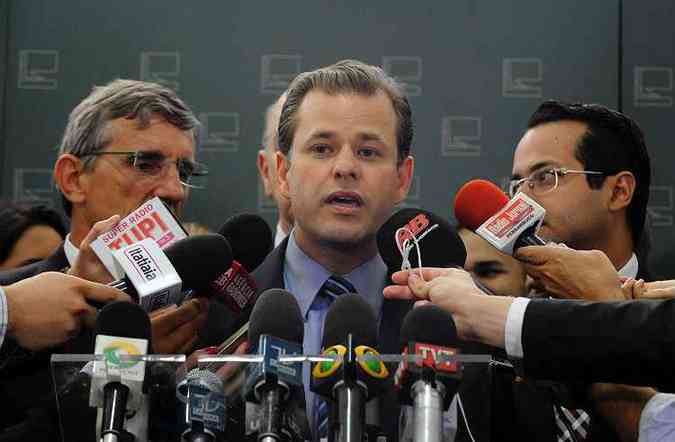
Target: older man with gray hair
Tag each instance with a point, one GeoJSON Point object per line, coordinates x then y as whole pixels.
{"type": "Point", "coordinates": [125, 143]}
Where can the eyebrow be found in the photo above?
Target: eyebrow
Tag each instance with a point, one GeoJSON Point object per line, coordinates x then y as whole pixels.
{"type": "Point", "coordinates": [535, 166]}
{"type": "Point", "coordinates": [365, 136]}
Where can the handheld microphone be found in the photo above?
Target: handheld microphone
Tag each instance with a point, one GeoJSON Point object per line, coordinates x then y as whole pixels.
{"type": "Point", "coordinates": [357, 375]}
{"type": "Point", "coordinates": [482, 207]}
{"type": "Point", "coordinates": [415, 237]}
{"type": "Point", "coordinates": [251, 240]}
{"type": "Point", "coordinates": [205, 406]}
{"type": "Point", "coordinates": [276, 329]}
{"type": "Point", "coordinates": [198, 260]}
{"type": "Point", "coordinates": [429, 386]}
{"type": "Point", "coordinates": [122, 328]}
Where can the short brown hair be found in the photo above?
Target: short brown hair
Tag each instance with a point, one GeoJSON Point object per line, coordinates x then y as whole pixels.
{"type": "Point", "coordinates": [344, 77]}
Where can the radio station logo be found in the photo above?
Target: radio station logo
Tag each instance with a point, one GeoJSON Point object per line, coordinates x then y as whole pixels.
{"type": "Point", "coordinates": [512, 215]}
{"type": "Point", "coordinates": [143, 262]}
{"type": "Point", "coordinates": [115, 349]}
{"type": "Point", "coordinates": [369, 360]}
{"type": "Point", "coordinates": [328, 368]}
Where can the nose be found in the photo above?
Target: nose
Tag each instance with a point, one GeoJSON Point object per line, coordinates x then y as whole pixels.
{"type": "Point", "coordinates": [346, 165]}
{"type": "Point", "coordinates": [169, 187]}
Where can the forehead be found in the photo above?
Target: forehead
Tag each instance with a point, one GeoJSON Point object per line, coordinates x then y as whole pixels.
{"type": "Point", "coordinates": [548, 144]}
{"type": "Point", "coordinates": [479, 250]}
{"type": "Point", "coordinates": [346, 115]}
{"type": "Point", "coordinates": [159, 135]}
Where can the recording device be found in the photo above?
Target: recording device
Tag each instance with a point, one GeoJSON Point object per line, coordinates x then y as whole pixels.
{"type": "Point", "coordinates": [251, 240]}
{"type": "Point", "coordinates": [418, 238]}
{"type": "Point", "coordinates": [430, 384]}
{"type": "Point", "coordinates": [198, 260]}
{"type": "Point", "coordinates": [122, 328]}
{"type": "Point", "coordinates": [482, 207]}
{"type": "Point", "coordinates": [357, 374]}
{"type": "Point", "coordinates": [205, 409]}
{"type": "Point", "coordinates": [276, 329]}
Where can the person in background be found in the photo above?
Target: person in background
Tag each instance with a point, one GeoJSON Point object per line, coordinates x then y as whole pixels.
{"type": "Point", "coordinates": [499, 272]}
{"type": "Point", "coordinates": [28, 234]}
{"type": "Point", "coordinates": [267, 167]}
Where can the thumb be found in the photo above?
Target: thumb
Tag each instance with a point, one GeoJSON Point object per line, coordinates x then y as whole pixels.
{"type": "Point", "coordinates": [534, 255]}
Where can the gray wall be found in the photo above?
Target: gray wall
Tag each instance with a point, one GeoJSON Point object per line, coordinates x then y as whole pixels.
{"type": "Point", "coordinates": [475, 70]}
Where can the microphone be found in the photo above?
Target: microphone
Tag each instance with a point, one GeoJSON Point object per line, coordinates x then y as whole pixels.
{"type": "Point", "coordinates": [122, 328]}
{"type": "Point", "coordinates": [357, 375]}
{"type": "Point", "coordinates": [429, 386]}
{"type": "Point", "coordinates": [205, 406]}
{"type": "Point", "coordinates": [250, 237]}
{"type": "Point", "coordinates": [198, 260]}
{"type": "Point", "coordinates": [418, 238]}
{"type": "Point", "coordinates": [251, 240]}
{"type": "Point", "coordinates": [276, 329]}
{"type": "Point", "coordinates": [482, 207]}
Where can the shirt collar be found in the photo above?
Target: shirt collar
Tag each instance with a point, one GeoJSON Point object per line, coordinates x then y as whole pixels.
{"type": "Point", "coordinates": [630, 269]}
{"type": "Point", "coordinates": [71, 251]}
{"type": "Point", "coordinates": [304, 277]}
{"type": "Point", "coordinates": [280, 235]}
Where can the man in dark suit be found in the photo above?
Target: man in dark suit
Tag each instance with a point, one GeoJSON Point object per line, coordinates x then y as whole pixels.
{"type": "Point", "coordinates": [125, 143]}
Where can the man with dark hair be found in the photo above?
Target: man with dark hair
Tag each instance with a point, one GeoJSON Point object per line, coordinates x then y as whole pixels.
{"type": "Point", "coordinates": [345, 135]}
{"type": "Point", "coordinates": [607, 209]}
{"type": "Point", "coordinates": [588, 166]}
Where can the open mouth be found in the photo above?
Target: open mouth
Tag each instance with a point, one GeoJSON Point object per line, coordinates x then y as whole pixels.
{"type": "Point", "coordinates": [345, 199]}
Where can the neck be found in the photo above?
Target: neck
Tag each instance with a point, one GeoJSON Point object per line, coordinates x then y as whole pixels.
{"type": "Point", "coordinates": [619, 246]}
{"type": "Point", "coordinates": [337, 258]}
{"type": "Point", "coordinates": [79, 228]}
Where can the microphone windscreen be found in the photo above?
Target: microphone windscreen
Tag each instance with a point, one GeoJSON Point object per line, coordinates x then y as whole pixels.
{"type": "Point", "coordinates": [200, 259]}
{"type": "Point", "coordinates": [250, 238]}
{"type": "Point", "coordinates": [429, 324]}
{"type": "Point", "coordinates": [350, 313]}
{"type": "Point", "coordinates": [123, 319]}
{"type": "Point", "coordinates": [440, 247]}
{"type": "Point", "coordinates": [476, 201]}
{"type": "Point", "coordinates": [276, 313]}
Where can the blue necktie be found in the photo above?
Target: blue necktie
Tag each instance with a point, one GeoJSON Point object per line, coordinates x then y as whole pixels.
{"type": "Point", "coordinates": [331, 289]}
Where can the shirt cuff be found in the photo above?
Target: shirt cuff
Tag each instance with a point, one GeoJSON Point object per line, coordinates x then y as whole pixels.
{"type": "Point", "coordinates": [657, 420]}
{"type": "Point", "coordinates": [4, 316]}
{"type": "Point", "coordinates": [513, 332]}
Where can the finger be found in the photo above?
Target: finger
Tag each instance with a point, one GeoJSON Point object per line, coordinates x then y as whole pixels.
{"type": "Point", "coordinates": [660, 284]}
{"type": "Point", "coordinates": [188, 346]}
{"type": "Point", "coordinates": [418, 287]}
{"type": "Point", "coordinates": [175, 319]}
{"type": "Point", "coordinates": [161, 311]}
{"type": "Point", "coordinates": [179, 338]}
{"type": "Point", "coordinates": [103, 293]}
{"type": "Point", "coordinates": [658, 294]}
{"type": "Point", "coordinates": [401, 277]}
{"type": "Point", "coordinates": [534, 255]}
{"type": "Point", "coordinates": [398, 292]}
{"type": "Point", "coordinates": [97, 229]}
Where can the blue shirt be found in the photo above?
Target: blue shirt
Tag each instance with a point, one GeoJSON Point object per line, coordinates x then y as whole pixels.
{"type": "Point", "coordinates": [303, 277]}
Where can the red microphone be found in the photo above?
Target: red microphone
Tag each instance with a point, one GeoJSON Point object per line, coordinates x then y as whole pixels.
{"type": "Point", "coordinates": [482, 207]}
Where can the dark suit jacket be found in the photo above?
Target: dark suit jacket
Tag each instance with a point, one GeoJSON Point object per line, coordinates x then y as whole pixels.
{"type": "Point", "coordinates": [631, 342]}
{"type": "Point", "coordinates": [474, 388]}
{"type": "Point", "coordinates": [25, 377]}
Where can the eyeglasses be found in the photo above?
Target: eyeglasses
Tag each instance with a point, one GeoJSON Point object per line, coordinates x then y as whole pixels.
{"type": "Point", "coordinates": [545, 180]}
{"type": "Point", "coordinates": [154, 164]}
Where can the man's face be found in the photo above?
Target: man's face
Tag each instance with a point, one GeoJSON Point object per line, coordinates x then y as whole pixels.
{"type": "Point", "coordinates": [341, 174]}
{"type": "Point", "coordinates": [575, 214]}
{"type": "Point", "coordinates": [114, 186]}
{"type": "Point", "coordinates": [499, 272]}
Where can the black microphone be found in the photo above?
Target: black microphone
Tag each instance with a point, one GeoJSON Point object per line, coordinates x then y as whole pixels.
{"type": "Point", "coordinates": [250, 237]}
{"type": "Point", "coordinates": [198, 260]}
{"type": "Point", "coordinates": [357, 375]}
{"type": "Point", "coordinates": [429, 386]}
{"type": "Point", "coordinates": [117, 385]}
{"type": "Point", "coordinates": [411, 234]}
{"type": "Point", "coordinates": [276, 329]}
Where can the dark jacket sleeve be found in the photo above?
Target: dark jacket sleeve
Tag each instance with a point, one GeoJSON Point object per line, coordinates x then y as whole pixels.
{"type": "Point", "coordinates": [631, 342]}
